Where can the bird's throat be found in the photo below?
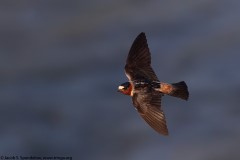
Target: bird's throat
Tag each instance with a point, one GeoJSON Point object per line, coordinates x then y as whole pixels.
{"type": "Point", "coordinates": [128, 91]}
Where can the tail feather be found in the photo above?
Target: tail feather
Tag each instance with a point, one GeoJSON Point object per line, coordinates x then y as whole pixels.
{"type": "Point", "coordinates": [180, 90]}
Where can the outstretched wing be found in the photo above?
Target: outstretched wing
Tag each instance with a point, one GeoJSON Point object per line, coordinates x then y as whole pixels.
{"type": "Point", "coordinates": [138, 65]}
{"type": "Point", "coordinates": [149, 107]}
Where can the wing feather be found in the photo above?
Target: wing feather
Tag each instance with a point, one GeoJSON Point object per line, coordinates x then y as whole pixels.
{"type": "Point", "coordinates": [156, 119]}
{"type": "Point", "coordinates": [138, 65]}
{"type": "Point", "coordinates": [148, 105]}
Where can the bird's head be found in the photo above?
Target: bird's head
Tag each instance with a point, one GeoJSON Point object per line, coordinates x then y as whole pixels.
{"type": "Point", "coordinates": [125, 88]}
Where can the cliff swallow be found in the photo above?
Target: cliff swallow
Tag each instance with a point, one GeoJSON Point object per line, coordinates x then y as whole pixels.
{"type": "Point", "coordinates": [145, 88]}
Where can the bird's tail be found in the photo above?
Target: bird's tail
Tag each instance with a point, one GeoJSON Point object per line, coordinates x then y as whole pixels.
{"type": "Point", "coordinates": [179, 90]}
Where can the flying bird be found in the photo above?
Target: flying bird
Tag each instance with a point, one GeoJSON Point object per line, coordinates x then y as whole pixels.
{"type": "Point", "coordinates": [145, 88]}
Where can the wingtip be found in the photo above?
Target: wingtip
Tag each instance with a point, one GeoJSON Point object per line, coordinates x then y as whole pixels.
{"type": "Point", "coordinates": [141, 40]}
{"type": "Point", "coordinates": [156, 119]}
{"type": "Point", "coordinates": [165, 134]}
{"type": "Point", "coordinates": [142, 34]}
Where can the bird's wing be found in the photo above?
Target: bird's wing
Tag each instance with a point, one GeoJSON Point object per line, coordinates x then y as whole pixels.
{"type": "Point", "coordinates": [138, 65]}
{"type": "Point", "coordinates": [149, 107]}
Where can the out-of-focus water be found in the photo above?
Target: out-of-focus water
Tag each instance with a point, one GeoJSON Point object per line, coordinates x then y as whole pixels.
{"type": "Point", "coordinates": [61, 63]}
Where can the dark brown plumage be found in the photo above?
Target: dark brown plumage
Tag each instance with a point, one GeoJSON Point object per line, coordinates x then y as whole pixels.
{"type": "Point", "coordinates": [145, 88]}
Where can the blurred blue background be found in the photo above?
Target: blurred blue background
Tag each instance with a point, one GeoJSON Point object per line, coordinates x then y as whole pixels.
{"type": "Point", "coordinates": [61, 62]}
